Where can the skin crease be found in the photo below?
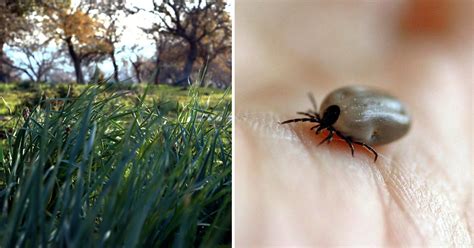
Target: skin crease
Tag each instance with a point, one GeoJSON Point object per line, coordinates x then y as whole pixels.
{"type": "Point", "coordinates": [291, 192]}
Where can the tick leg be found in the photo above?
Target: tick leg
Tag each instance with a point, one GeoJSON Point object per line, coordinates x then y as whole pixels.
{"type": "Point", "coordinates": [369, 148]}
{"type": "Point", "coordinates": [348, 141]}
{"type": "Point", "coordinates": [321, 128]}
{"type": "Point", "coordinates": [309, 114]}
{"type": "Point", "coordinates": [313, 101]}
{"type": "Point", "coordinates": [314, 113]}
{"type": "Point", "coordinates": [300, 120]}
{"type": "Point", "coordinates": [314, 127]}
{"type": "Point", "coordinates": [328, 138]}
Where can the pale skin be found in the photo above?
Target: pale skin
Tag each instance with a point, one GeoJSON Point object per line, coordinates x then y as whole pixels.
{"type": "Point", "coordinates": [291, 192]}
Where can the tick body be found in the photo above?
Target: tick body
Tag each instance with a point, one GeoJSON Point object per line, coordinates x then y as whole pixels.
{"type": "Point", "coordinates": [359, 115]}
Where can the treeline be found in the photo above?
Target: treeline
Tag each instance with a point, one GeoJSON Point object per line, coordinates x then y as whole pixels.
{"type": "Point", "coordinates": [52, 35]}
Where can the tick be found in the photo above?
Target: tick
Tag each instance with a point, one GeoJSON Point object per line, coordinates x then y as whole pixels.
{"type": "Point", "coordinates": [359, 115]}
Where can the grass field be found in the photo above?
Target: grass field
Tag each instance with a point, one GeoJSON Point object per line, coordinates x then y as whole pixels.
{"type": "Point", "coordinates": [14, 96]}
{"type": "Point", "coordinates": [115, 167]}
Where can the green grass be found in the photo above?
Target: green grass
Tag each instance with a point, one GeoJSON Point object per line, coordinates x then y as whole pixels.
{"type": "Point", "coordinates": [94, 171]}
{"type": "Point", "coordinates": [14, 96]}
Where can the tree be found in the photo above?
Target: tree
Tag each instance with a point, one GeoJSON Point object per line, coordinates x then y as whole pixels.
{"type": "Point", "coordinates": [38, 61]}
{"type": "Point", "coordinates": [80, 32]}
{"type": "Point", "coordinates": [113, 32]}
{"type": "Point", "coordinates": [12, 20]}
{"type": "Point", "coordinates": [168, 49]}
{"type": "Point", "coordinates": [7, 73]}
{"type": "Point", "coordinates": [219, 72]}
{"type": "Point", "coordinates": [137, 62]}
{"type": "Point", "coordinates": [160, 44]}
{"type": "Point", "coordinates": [137, 68]}
{"type": "Point", "coordinates": [36, 58]}
{"type": "Point", "coordinates": [203, 25]}
{"type": "Point", "coordinates": [112, 37]}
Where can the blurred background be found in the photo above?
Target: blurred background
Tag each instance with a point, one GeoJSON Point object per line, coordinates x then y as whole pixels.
{"type": "Point", "coordinates": [291, 192]}
{"type": "Point", "coordinates": [128, 41]}
{"type": "Point", "coordinates": [306, 44]}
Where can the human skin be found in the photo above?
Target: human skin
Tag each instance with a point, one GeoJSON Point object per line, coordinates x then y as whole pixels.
{"type": "Point", "coordinates": [291, 192]}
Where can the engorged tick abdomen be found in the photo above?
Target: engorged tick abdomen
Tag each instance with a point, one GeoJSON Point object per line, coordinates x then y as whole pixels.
{"type": "Point", "coordinates": [367, 115]}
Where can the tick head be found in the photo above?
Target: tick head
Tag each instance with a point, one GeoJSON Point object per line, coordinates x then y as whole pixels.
{"type": "Point", "coordinates": [330, 116]}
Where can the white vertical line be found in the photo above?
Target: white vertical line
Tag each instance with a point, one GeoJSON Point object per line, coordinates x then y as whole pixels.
{"type": "Point", "coordinates": [233, 120]}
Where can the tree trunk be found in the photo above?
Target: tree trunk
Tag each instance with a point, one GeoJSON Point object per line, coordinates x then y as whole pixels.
{"type": "Point", "coordinates": [76, 61]}
{"type": "Point", "coordinates": [137, 69]}
{"type": "Point", "coordinates": [188, 67]}
{"type": "Point", "coordinates": [114, 63]}
{"type": "Point", "coordinates": [3, 74]}
{"type": "Point", "coordinates": [156, 78]}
